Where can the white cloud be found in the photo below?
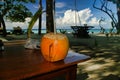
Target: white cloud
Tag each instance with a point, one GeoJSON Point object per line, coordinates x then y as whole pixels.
{"type": "Point", "coordinates": [37, 7]}
{"type": "Point", "coordinates": [60, 4]}
{"type": "Point", "coordinates": [85, 15]}
{"type": "Point", "coordinates": [23, 25]}
{"type": "Point", "coordinates": [10, 25]}
{"type": "Point", "coordinates": [94, 22]}
{"type": "Point", "coordinates": [82, 17]}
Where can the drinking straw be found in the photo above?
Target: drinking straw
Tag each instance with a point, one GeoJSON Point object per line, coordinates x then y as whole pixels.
{"type": "Point", "coordinates": [54, 17]}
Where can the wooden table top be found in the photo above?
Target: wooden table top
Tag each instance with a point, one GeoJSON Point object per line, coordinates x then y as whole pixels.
{"type": "Point", "coordinates": [16, 62]}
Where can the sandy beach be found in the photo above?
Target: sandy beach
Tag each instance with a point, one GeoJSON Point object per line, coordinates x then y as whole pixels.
{"type": "Point", "coordinates": [104, 51]}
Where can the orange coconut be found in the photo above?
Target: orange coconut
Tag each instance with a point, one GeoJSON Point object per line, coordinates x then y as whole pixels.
{"type": "Point", "coordinates": [54, 47]}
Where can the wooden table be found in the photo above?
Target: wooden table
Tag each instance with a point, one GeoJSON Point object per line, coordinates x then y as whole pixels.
{"type": "Point", "coordinates": [18, 63]}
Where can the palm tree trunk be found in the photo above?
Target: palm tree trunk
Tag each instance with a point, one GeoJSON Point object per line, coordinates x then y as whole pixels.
{"type": "Point", "coordinates": [4, 26]}
{"type": "Point", "coordinates": [40, 19]}
{"type": "Point", "coordinates": [49, 16]}
{"type": "Point", "coordinates": [118, 14]}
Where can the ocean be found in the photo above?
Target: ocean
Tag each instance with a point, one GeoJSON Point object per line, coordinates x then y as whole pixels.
{"type": "Point", "coordinates": [68, 30]}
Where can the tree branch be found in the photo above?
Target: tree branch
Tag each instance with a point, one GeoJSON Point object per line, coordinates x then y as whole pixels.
{"type": "Point", "coordinates": [104, 8]}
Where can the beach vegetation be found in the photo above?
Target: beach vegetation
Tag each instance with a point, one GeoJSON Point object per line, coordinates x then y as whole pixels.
{"type": "Point", "coordinates": [17, 30]}
{"type": "Point", "coordinates": [62, 31]}
{"type": "Point", "coordinates": [14, 10]}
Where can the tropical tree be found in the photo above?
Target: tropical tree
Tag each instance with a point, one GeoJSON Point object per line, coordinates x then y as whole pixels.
{"type": "Point", "coordinates": [14, 10]}
{"type": "Point", "coordinates": [117, 2]}
{"type": "Point", "coordinates": [104, 7]}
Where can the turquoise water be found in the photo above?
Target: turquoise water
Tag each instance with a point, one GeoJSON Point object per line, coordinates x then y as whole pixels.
{"type": "Point", "coordinates": [68, 30]}
{"type": "Point", "coordinates": [98, 30]}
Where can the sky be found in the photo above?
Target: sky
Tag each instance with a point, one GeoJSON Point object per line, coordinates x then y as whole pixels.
{"type": "Point", "coordinates": [65, 12]}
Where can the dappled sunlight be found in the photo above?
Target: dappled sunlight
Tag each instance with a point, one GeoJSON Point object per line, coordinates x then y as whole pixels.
{"type": "Point", "coordinates": [101, 76]}
{"type": "Point", "coordinates": [85, 51]}
{"type": "Point", "coordinates": [87, 63]}
{"type": "Point", "coordinates": [94, 67]}
{"type": "Point", "coordinates": [108, 73]}
{"type": "Point", "coordinates": [107, 52]}
{"type": "Point", "coordinates": [110, 61]}
{"type": "Point", "coordinates": [105, 64]}
{"type": "Point", "coordinates": [91, 66]}
{"type": "Point", "coordinates": [93, 77]}
{"type": "Point", "coordinates": [99, 59]}
{"type": "Point", "coordinates": [98, 68]}
{"type": "Point", "coordinates": [104, 49]}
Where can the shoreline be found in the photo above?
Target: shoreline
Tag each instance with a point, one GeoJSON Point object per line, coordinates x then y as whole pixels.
{"type": "Point", "coordinates": [95, 31]}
